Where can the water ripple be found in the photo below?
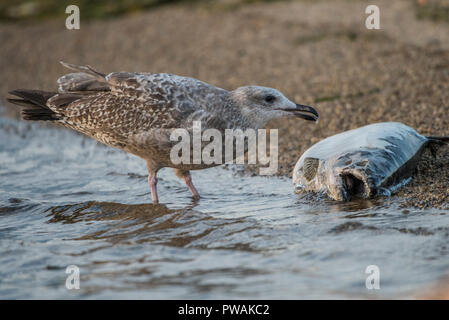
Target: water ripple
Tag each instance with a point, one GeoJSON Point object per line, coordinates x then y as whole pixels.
{"type": "Point", "coordinates": [67, 200]}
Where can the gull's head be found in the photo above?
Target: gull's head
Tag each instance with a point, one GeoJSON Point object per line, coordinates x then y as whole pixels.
{"type": "Point", "coordinates": [261, 104]}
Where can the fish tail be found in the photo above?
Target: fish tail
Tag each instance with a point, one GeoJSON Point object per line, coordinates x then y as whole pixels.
{"type": "Point", "coordinates": [434, 143]}
{"type": "Point", "coordinates": [439, 140]}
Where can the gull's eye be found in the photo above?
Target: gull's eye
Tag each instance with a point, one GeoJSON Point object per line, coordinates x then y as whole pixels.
{"type": "Point", "coordinates": [270, 98]}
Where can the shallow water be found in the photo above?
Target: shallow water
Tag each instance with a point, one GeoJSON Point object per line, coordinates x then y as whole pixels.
{"type": "Point", "coordinates": [67, 200]}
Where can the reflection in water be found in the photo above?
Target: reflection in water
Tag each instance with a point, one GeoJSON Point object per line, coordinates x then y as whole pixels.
{"type": "Point", "coordinates": [356, 205]}
{"type": "Point", "coordinates": [154, 223]}
{"type": "Point", "coordinates": [64, 199]}
{"type": "Point", "coordinates": [97, 211]}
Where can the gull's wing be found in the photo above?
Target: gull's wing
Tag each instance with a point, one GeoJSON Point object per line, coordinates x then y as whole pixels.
{"type": "Point", "coordinates": [168, 100]}
{"type": "Point", "coordinates": [122, 104]}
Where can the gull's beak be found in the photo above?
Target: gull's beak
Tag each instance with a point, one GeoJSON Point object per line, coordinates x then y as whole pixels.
{"type": "Point", "coordinates": [302, 111]}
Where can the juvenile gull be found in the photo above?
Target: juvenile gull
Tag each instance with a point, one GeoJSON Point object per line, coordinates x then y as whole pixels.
{"type": "Point", "coordinates": [137, 111]}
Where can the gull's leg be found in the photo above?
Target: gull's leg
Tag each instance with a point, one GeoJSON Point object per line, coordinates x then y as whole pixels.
{"type": "Point", "coordinates": [152, 181]}
{"type": "Point", "coordinates": [189, 184]}
{"type": "Point", "coordinates": [185, 174]}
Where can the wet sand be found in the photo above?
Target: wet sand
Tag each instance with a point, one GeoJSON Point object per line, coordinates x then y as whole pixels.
{"type": "Point", "coordinates": [317, 53]}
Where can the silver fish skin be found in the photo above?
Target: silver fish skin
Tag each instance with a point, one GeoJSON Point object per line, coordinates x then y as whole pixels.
{"type": "Point", "coordinates": [360, 163]}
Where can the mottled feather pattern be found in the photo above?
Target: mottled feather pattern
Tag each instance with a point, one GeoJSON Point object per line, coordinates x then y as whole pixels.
{"type": "Point", "coordinates": [136, 111]}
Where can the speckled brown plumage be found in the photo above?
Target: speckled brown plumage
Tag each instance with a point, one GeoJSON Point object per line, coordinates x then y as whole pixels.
{"type": "Point", "coordinates": [136, 112]}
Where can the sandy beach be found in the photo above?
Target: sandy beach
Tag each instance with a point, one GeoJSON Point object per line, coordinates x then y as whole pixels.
{"type": "Point", "coordinates": [317, 53]}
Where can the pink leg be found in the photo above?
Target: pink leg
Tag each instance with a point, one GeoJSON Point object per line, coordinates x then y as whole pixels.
{"type": "Point", "coordinates": [184, 174]}
{"type": "Point", "coordinates": [189, 184]}
{"type": "Point", "coordinates": [152, 181]}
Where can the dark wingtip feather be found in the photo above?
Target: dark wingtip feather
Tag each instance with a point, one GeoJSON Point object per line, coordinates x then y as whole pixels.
{"type": "Point", "coordinates": [20, 102]}
{"type": "Point", "coordinates": [38, 114]}
{"type": "Point", "coordinates": [37, 97]}
{"type": "Point", "coordinates": [35, 103]}
{"type": "Point", "coordinates": [85, 69]}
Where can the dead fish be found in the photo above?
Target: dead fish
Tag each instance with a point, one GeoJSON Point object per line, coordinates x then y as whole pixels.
{"type": "Point", "coordinates": [376, 159]}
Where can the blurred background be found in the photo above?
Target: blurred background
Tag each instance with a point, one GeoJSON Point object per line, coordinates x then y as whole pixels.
{"type": "Point", "coordinates": [317, 53]}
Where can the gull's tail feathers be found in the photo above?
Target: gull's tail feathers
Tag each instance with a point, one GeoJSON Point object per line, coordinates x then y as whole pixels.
{"type": "Point", "coordinates": [35, 103]}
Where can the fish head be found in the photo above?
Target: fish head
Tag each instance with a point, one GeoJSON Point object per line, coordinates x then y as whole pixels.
{"type": "Point", "coordinates": [348, 176]}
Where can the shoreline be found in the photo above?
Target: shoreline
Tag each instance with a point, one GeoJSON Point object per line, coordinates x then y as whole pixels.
{"type": "Point", "coordinates": [351, 75]}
